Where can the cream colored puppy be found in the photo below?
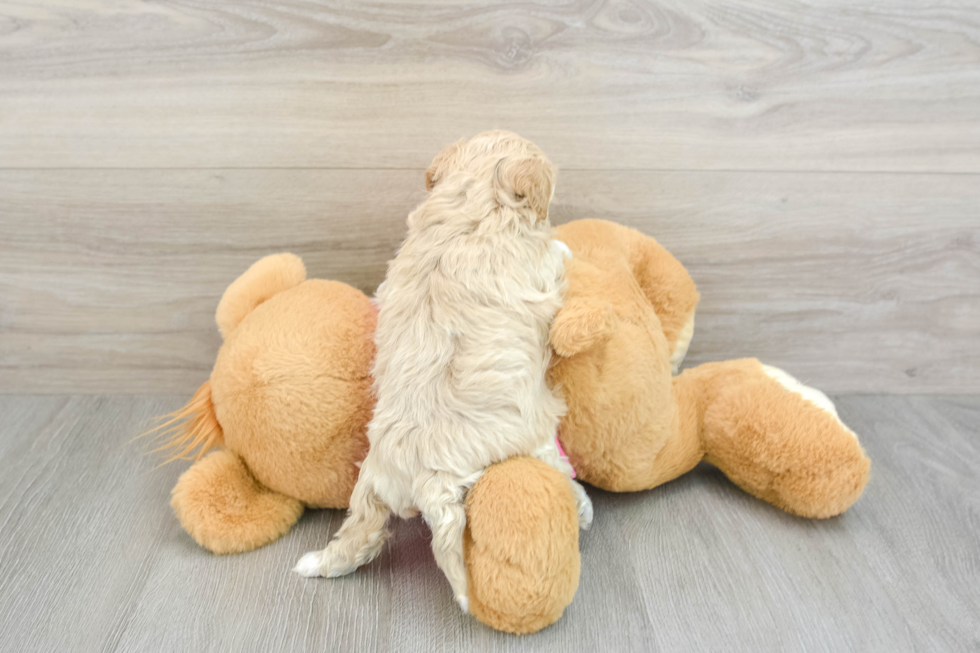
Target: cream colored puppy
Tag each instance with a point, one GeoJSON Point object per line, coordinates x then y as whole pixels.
{"type": "Point", "coordinates": [462, 352]}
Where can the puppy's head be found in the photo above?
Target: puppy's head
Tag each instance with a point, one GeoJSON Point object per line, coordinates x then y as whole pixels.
{"type": "Point", "coordinates": [519, 174]}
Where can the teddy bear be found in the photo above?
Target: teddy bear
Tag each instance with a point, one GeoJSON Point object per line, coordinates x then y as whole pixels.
{"type": "Point", "coordinates": [286, 410]}
{"type": "Point", "coordinates": [289, 399]}
{"type": "Point", "coordinates": [631, 425]}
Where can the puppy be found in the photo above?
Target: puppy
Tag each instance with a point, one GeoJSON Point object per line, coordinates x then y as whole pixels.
{"type": "Point", "coordinates": [462, 352]}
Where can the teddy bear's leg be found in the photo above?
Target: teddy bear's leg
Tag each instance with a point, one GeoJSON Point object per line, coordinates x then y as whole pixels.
{"type": "Point", "coordinates": [222, 506]}
{"type": "Point", "coordinates": [774, 437]}
{"type": "Point", "coordinates": [521, 546]}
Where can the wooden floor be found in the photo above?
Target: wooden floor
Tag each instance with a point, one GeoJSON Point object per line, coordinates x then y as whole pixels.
{"type": "Point", "coordinates": [91, 558]}
{"type": "Point", "coordinates": [816, 166]}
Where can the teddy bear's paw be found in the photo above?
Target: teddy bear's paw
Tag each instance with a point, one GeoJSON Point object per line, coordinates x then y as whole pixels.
{"type": "Point", "coordinates": [584, 505]}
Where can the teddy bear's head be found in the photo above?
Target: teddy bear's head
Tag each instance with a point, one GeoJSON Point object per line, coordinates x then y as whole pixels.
{"type": "Point", "coordinates": [291, 386]}
{"type": "Point", "coordinates": [289, 397]}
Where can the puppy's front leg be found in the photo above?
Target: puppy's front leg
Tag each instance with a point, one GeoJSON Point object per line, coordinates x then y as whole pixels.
{"type": "Point", "coordinates": [440, 497]}
{"type": "Point", "coordinates": [359, 539]}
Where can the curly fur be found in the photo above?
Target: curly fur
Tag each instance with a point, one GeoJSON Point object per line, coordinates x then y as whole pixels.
{"type": "Point", "coordinates": [462, 351]}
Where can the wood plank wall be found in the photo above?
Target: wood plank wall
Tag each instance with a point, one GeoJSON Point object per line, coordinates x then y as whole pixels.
{"type": "Point", "coordinates": [815, 165]}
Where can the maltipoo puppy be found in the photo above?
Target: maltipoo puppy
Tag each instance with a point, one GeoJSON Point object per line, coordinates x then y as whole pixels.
{"type": "Point", "coordinates": [462, 352]}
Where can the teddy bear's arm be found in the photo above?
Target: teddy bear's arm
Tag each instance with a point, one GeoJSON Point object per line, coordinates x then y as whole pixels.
{"type": "Point", "coordinates": [669, 288]}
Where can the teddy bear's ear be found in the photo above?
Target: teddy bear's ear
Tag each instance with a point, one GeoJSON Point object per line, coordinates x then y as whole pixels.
{"type": "Point", "coordinates": [267, 277]}
{"type": "Point", "coordinates": [526, 181]}
{"type": "Point", "coordinates": [444, 163]}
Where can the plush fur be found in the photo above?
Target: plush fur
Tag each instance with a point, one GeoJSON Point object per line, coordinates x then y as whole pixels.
{"type": "Point", "coordinates": [289, 399]}
{"type": "Point", "coordinates": [521, 545]}
{"type": "Point", "coordinates": [283, 409]}
{"type": "Point", "coordinates": [630, 425]}
{"type": "Point", "coordinates": [462, 353]}
{"type": "Point", "coordinates": [291, 388]}
{"type": "Point", "coordinates": [266, 278]}
{"type": "Point", "coordinates": [757, 424]}
{"type": "Point", "coordinates": [223, 507]}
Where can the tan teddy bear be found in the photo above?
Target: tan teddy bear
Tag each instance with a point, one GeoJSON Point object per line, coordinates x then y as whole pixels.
{"type": "Point", "coordinates": [290, 396]}
{"type": "Point", "coordinates": [628, 314]}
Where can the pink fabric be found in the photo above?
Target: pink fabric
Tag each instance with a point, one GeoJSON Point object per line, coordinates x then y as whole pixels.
{"type": "Point", "coordinates": [562, 452]}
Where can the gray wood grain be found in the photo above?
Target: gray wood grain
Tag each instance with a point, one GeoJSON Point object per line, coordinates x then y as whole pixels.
{"type": "Point", "coordinates": [91, 559]}
{"type": "Point", "coordinates": [834, 85]}
{"type": "Point", "coordinates": [897, 572]}
{"type": "Point", "coordinates": [866, 282]}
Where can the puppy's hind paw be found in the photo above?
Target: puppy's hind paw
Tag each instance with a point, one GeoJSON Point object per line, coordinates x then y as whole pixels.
{"type": "Point", "coordinates": [464, 604]}
{"type": "Point", "coordinates": [585, 516]}
{"type": "Point", "coordinates": [584, 505]}
{"type": "Point", "coordinates": [327, 563]}
{"type": "Point", "coordinates": [309, 565]}
{"type": "Point", "coordinates": [566, 252]}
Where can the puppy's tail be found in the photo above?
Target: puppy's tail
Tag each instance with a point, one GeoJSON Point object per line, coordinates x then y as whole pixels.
{"type": "Point", "coordinates": [195, 426]}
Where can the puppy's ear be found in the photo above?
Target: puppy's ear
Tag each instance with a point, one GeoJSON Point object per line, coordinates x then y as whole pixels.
{"type": "Point", "coordinates": [526, 181]}
{"type": "Point", "coordinates": [445, 162]}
